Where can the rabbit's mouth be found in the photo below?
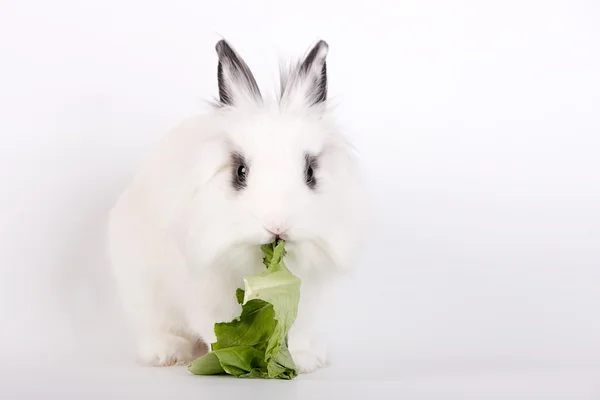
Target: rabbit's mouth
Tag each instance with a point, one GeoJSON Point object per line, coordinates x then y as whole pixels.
{"type": "Point", "coordinates": [281, 236]}
{"type": "Point", "coordinates": [275, 235]}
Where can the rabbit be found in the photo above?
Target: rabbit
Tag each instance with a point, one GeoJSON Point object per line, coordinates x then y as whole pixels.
{"type": "Point", "coordinates": [251, 170]}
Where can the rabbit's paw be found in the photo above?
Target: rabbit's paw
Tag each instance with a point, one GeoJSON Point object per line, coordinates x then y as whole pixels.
{"type": "Point", "coordinates": [307, 361]}
{"type": "Point", "coordinates": [166, 349]}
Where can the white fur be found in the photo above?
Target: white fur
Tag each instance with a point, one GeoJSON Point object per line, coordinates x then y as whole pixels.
{"type": "Point", "coordinates": [181, 238]}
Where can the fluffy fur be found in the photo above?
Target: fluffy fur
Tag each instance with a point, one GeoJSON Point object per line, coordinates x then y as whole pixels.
{"type": "Point", "coordinates": [182, 236]}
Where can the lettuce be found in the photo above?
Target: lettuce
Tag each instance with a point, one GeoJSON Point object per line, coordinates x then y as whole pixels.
{"type": "Point", "coordinates": [254, 345]}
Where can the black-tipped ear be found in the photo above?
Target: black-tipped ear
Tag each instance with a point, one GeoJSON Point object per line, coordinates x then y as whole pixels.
{"type": "Point", "coordinates": [236, 82]}
{"type": "Point", "coordinates": [305, 84]}
{"type": "Point", "coordinates": [314, 68]}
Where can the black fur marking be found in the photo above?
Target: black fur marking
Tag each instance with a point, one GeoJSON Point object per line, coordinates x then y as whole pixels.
{"type": "Point", "coordinates": [310, 57]}
{"type": "Point", "coordinates": [310, 169]}
{"type": "Point", "coordinates": [223, 96]}
{"type": "Point", "coordinates": [322, 85]}
{"type": "Point", "coordinates": [239, 171]}
{"type": "Point", "coordinates": [237, 68]}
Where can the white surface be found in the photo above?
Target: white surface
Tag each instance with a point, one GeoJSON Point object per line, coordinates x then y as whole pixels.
{"type": "Point", "coordinates": [123, 383]}
{"type": "Point", "coordinates": [480, 131]}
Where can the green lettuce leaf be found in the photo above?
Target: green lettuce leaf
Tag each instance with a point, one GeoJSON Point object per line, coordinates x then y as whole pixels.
{"type": "Point", "coordinates": [255, 343]}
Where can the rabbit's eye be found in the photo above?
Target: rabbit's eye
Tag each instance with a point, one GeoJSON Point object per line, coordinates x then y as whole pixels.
{"type": "Point", "coordinates": [240, 172]}
{"type": "Point", "coordinates": [309, 171]}
{"type": "Point", "coordinates": [310, 174]}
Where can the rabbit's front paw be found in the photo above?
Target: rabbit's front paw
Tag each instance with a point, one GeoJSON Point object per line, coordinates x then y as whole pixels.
{"type": "Point", "coordinates": [307, 361]}
{"type": "Point", "coordinates": [166, 349]}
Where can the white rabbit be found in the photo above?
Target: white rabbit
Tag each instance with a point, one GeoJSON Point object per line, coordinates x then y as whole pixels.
{"type": "Point", "coordinates": [189, 226]}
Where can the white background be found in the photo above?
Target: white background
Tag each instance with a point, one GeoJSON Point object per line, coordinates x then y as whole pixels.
{"type": "Point", "coordinates": [479, 127]}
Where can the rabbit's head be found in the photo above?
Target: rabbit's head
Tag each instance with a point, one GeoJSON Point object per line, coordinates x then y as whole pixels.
{"type": "Point", "coordinates": [281, 168]}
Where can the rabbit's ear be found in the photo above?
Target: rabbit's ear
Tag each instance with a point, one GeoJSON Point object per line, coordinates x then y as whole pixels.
{"type": "Point", "coordinates": [236, 82]}
{"type": "Point", "coordinates": [307, 82]}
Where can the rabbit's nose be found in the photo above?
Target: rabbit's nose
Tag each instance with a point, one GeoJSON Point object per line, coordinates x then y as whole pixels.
{"type": "Point", "coordinates": [278, 232]}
